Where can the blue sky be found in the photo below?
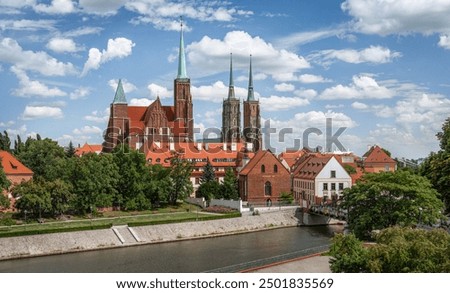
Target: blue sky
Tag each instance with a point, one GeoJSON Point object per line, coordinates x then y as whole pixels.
{"type": "Point", "coordinates": [380, 68]}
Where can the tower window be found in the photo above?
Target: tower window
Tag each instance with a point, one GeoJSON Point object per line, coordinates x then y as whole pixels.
{"type": "Point", "coordinates": [263, 169]}
{"type": "Point", "coordinates": [275, 168]}
{"type": "Point", "coordinates": [268, 188]}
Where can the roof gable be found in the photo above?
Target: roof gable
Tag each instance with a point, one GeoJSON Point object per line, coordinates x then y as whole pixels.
{"type": "Point", "coordinates": [378, 155]}
{"type": "Point", "coordinates": [257, 158]}
{"type": "Point", "coordinates": [12, 166]}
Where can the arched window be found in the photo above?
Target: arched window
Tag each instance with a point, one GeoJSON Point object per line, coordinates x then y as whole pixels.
{"type": "Point", "coordinates": [263, 169]}
{"type": "Point", "coordinates": [158, 160]}
{"type": "Point", "coordinates": [268, 188]}
{"type": "Point", "coordinates": [275, 169]}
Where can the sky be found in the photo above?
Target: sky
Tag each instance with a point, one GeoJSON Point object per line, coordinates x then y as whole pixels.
{"type": "Point", "coordinates": [378, 68]}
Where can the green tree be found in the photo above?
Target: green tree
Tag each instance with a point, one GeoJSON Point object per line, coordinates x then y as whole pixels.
{"type": "Point", "coordinates": [5, 141]}
{"type": "Point", "coordinates": [61, 196]}
{"type": "Point", "coordinates": [208, 173]}
{"type": "Point", "coordinates": [179, 183]}
{"type": "Point", "coordinates": [209, 190]}
{"type": "Point", "coordinates": [94, 179]}
{"type": "Point", "coordinates": [40, 156]}
{"type": "Point", "coordinates": [437, 166]}
{"type": "Point", "coordinates": [18, 146]}
{"type": "Point", "coordinates": [230, 185]}
{"type": "Point", "coordinates": [33, 197]}
{"type": "Point", "coordinates": [397, 250]}
{"type": "Point", "coordinates": [348, 254]}
{"type": "Point", "coordinates": [387, 199]}
{"type": "Point", "coordinates": [286, 198]}
{"type": "Point", "coordinates": [131, 183]}
{"type": "Point", "coordinates": [70, 152]}
{"type": "Point", "coordinates": [4, 185]}
{"type": "Point", "coordinates": [157, 184]}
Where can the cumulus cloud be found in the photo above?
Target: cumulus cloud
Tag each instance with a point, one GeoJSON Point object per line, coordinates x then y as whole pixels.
{"type": "Point", "coordinates": [216, 92]}
{"type": "Point", "coordinates": [11, 52]}
{"type": "Point", "coordinates": [27, 24]}
{"type": "Point", "coordinates": [79, 93]}
{"type": "Point", "coordinates": [38, 112]}
{"type": "Point", "coordinates": [373, 54]}
{"type": "Point", "coordinates": [311, 78]}
{"type": "Point", "coordinates": [140, 102]}
{"type": "Point", "coordinates": [56, 7]}
{"type": "Point", "coordinates": [386, 17]}
{"type": "Point", "coordinates": [444, 41]}
{"type": "Point", "coordinates": [62, 45]}
{"type": "Point", "coordinates": [209, 56]}
{"type": "Point", "coordinates": [101, 7]}
{"type": "Point", "coordinates": [159, 91]}
{"type": "Point", "coordinates": [116, 49]}
{"type": "Point", "coordinates": [306, 93]}
{"type": "Point", "coordinates": [284, 87]}
{"type": "Point", "coordinates": [98, 116]}
{"type": "Point", "coordinates": [362, 87]}
{"type": "Point", "coordinates": [276, 103]}
{"type": "Point", "coordinates": [33, 88]}
{"type": "Point", "coordinates": [128, 87]}
{"type": "Point", "coordinates": [359, 106]}
{"type": "Point", "coordinates": [87, 130]}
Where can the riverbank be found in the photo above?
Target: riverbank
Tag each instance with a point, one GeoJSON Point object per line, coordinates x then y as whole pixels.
{"type": "Point", "coordinates": [123, 236]}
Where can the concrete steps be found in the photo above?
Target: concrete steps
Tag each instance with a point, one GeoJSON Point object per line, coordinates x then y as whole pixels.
{"type": "Point", "coordinates": [126, 234]}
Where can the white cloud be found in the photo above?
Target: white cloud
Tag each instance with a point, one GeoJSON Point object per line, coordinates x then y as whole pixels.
{"type": "Point", "coordinates": [386, 17]}
{"type": "Point", "coordinates": [128, 87]}
{"type": "Point", "coordinates": [87, 130]}
{"type": "Point", "coordinates": [27, 24]}
{"type": "Point", "coordinates": [79, 93]}
{"type": "Point", "coordinates": [11, 52]}
{"type": "Point", "coordinates": [276, 103]}
{"type": "Point", "coordinates": [297, 39]}
{"type": "Point", "coordinates": [98, 116]}
{"type": "Point", "coordinates": [444, 41]}
{"type": "Point", "coordinates": [284, 87]}
{"type": "Point", "coordinates": [359, 106]}
{"type": "Point", "coordinates": [57, 7]}
{"type": "Point", "coordinates": [373, 54]}
{"type": "Point", "coordinates": [209, 56]}
{"type": "Point", "coordinates": [32, 88]}
{"type": "Point", "coordinates": [116, 48]}
{"type": "Point", "coordinates": [101, 7]}
{"type": "Point", "coordinates": [140, 102]}
{"type": "Point", "coordinates": [7, 124]}
{"type": "Point", "coordinates": [308, 93]}
{"type": "Point", "coordinates": [310, 78]}
{"type": "Point", "coordinates": [216, 92]}
{"type": "Point", "coordinates": [82, 31]}
{"type": "Point", "coordinates": [159, 91]}
{"type": "Point", "coordinates": [38, 112]}
{"type": "Point", "coordinates": [362, 87]}
{"type": "Point", "coordinates": [62, 45]}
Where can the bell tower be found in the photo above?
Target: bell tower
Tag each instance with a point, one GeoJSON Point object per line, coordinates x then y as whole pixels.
{"type": "Point", "coordinates": [252, 116]}
{"type": "Point", "coordinates": [231, 113]}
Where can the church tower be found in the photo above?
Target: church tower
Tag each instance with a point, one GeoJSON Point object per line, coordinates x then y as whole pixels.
{"type": "Point", "coordinates": [183, 109]}
{"type": "Point", "coordinates": [252, 118]}
{"type": "Point", "coordinates": [231, 113]}
{"type": "Point", "coordinates": [118, 125]}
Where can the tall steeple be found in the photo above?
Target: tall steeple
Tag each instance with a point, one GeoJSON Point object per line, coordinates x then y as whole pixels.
{"type": "Point", "coordinates": [182, 74]}
{"type": "Point", "coordinates": [119, 97]}
{"type": "Point", "coordinates": [250, 95]}
{"type": "Point", "coordinates": [231, 86]}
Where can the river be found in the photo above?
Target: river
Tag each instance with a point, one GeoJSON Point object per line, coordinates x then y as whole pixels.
{"type": "Point", "coordinates": [188, 256]}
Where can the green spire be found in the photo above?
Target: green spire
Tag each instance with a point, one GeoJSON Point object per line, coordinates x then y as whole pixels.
{"type": "Point", "coordinates": [119, 97]}
{"type": "Point", "coordinates": [231, 86]}
{"type": "Point", "coordinates": [182, 74]}
{"type": "Point", "coordinates": [250, 96]}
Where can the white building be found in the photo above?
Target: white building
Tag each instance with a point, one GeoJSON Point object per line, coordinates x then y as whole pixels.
{"type": "Point", "coordinates": [319, 179]}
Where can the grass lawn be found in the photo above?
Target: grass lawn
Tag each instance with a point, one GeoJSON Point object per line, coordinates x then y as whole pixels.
{"type": "Point", "coordinates": [182, 213]}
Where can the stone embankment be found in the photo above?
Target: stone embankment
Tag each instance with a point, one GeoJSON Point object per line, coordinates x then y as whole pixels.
{"type": "Point", "coordinates": [122, 236]}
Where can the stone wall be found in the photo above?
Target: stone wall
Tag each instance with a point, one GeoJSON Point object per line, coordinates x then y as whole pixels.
{"type": "Point", "coordinates": [37, 245]}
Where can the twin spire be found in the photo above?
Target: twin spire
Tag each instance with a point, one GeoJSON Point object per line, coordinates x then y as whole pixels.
{"type": "Point", "coordinates": [182, 73]}
{"type": "Point", "coordinates": [250, 95]}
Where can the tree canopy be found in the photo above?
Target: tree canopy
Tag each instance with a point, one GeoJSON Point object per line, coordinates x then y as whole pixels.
{"type": "Point", "coordinates": [397, 250]}
{"type": "Point", "coordinates": [230, 185]}
{"type": "Point", "coordinates": [386, 199]}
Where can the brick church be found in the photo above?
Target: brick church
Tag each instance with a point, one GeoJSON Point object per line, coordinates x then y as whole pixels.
{"type": "Point", "coordinates": [143, 128]}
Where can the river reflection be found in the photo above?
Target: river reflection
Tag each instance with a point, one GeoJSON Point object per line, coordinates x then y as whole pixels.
{"type": "Point", "coordinates": [180, 257]}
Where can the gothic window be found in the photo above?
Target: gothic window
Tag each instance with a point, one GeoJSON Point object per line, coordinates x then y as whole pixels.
{"type": "Point", "coordinates": [275, 169]}
{"type": "Point", "coordinates": [268, 188]}
{"type": "Point", "coordinates": [263, 169]}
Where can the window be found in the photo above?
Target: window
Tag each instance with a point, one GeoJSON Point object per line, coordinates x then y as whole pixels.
{"type": "Point", "coordinates": [341, 186]}
{"type": "Point", "coordinates": [263, 169]}
{"type": "Point", "coordinates": [325, 186]}
{"type": "Point", "coordinates": [386, 167]}
{"type": "Point", "coordinates": [268, 189]}
{"type": "Point", "coordinates": [333, 173]}
{"type": "Point", "coordinates": [275, 168]}
{"type": "Point", "coordinates": [333, 186]}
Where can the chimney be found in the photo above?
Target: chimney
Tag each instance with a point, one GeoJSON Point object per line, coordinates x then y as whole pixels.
{"type": "Point", "coordinates": [199, 146]}
{"type": "Point", "coordinates": [233, 147]}
{"type": "Point", "coordinates": [224, 146]}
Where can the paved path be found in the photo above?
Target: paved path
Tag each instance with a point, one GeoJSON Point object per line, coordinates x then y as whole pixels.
{"type": "Point", "coordinates": [309, 264]}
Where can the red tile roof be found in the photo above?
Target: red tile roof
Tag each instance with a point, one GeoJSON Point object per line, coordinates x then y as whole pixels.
{"type": "Point", "coordinates": [311, 167]}
{"type": "Point", "coordinates": [256, 158]}
{"type": "Point", "coordinates": [377, 155]}
{"type": "Point", "coordinates": [88, 148]}
{"type": "Point", "coordinates": [292, 156]}
{"type": "Point", "coordinates": [12, 166]}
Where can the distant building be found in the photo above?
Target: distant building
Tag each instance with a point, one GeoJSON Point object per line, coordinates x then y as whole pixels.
{"type": "Point", "coordinates": [319, 179]}
{"type": "Point", "coordinates": [377, 160]}
{"type": "Point", "coordinates": [87, 149]}
{"type": "Point", "coordinates": [263, 179]}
